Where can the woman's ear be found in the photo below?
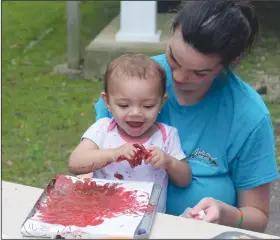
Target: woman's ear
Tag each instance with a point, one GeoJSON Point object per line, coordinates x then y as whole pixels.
{"type": "Point", "coordinates": [106, 100]}
{"type": "Point", "coordinates": [235, 61]}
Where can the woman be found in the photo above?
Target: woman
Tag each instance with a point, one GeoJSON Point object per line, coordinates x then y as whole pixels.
{"type": "Point", "coordinates": [224, 126]}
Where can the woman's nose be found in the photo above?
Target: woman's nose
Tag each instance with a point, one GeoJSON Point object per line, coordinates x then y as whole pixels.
{"type": "Point", "coordinates": [179, 77]}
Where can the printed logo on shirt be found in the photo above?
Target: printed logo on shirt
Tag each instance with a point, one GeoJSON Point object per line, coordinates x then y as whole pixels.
{"type": "Point", "coordinates": [199, 155]}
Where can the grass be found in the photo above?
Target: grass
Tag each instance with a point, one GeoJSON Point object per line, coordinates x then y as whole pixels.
{"type": "Point", "coordinates": [265, 57]}
{"type": "Point", "coordinates": [44, 114]}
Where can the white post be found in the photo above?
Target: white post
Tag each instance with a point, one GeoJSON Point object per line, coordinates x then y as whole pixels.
{"type": "Point", "coordinates": [138, 22]}
{"type": "Point", "coordinates": [73, 34]}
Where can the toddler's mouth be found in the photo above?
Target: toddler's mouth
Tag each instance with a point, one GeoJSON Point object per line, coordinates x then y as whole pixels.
{"type": "Point", "coordinates": [134, 124]}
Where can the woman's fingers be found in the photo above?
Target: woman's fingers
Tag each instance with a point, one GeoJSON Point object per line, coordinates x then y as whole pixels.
{"type": "Point", "coordinates": [202, 205]}
{"type": "Point", "coordinates": [206, 210]}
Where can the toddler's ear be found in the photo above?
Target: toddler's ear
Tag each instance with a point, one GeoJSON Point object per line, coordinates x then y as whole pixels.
{"type": "Point", "coordinates": [106, 100]}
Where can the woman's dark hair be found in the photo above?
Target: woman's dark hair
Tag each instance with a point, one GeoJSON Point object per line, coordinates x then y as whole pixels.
{"type": "Point", "coordinates": [228, 28]}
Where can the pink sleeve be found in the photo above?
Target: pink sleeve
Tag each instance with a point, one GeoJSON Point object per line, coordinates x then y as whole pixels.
{"type": "Point", "coordinates": [173, 145]}
{"type": "Point", "coordinates": [97, 131]}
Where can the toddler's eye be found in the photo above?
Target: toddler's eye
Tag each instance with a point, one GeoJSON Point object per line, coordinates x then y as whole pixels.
{"type": "Point", "coordinates": [123, 105]}
{"type": "Point", "coordinates": [148, 106]}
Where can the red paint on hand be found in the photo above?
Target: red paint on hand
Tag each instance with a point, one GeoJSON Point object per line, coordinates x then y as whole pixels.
{"type": "Point", "coordinates": [118, 176]}
{"type": "Point", "coordinates": [141, 154]}
{"type": "Point", "coordinates": [88, 204]}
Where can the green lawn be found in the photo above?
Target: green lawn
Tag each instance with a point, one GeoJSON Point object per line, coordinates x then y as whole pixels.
{"type": "Point", "coordinates": [44, 114]}
{"type": "Point", "coordinates": [266, 55]}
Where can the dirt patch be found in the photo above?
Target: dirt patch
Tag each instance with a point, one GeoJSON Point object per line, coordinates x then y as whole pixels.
{"type": "Point", "coordinates": [268, 86]}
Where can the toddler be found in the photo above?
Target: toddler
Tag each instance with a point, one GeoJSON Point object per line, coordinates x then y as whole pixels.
{"type": "Point", "coordinates": [131, 145]}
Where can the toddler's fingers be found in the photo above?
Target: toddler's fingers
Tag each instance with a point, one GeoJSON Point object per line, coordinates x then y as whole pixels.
{"type": "Point", "coordinates": [88, 175]}
{"type": "Point", "coordinates": [147, 160]}
{"type": "Point", "coordinates": [139, 146]}
{"type": "Point", "coordinates": [132, 153]}
{"type": "Point", "coordinates": [149, 157]}
{"type": "Point", "coordinates": [157, 164]}
{"type": "Point", "coordinates": [153, 160]}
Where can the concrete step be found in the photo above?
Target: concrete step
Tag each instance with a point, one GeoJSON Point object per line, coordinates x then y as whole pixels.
{"type": "Point", "coordinates": [104, 47]}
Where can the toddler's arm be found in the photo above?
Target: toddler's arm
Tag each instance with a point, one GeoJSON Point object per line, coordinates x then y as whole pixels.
{"type": "Point", "coordinates": [87, 157]}
{"type": "Point", "coordinates": [179, 172]}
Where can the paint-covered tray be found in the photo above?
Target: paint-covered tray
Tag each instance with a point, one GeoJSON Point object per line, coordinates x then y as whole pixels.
{"type": "Point", "coordinates": [235, 235]}
{"type": "Point", "coordinates": [141, 232]}
{"type": "Point", "coordinates": [144, 229]}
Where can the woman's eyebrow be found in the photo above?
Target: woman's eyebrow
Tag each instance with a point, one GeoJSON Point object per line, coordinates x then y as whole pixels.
{"type": "Point", "coordinates": [171, 54]}
{"type": "Point", "coordinates": [194, 70]}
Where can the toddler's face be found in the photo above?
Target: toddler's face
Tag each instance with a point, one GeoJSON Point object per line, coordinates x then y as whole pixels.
{"type": "Point", "coordinates": [134, 103]}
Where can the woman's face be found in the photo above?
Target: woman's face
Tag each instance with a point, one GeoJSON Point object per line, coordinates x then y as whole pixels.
{"type": "Point", "coordinates": [191, 69]}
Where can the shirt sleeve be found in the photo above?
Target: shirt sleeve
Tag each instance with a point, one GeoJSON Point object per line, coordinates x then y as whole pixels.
{"type": "Point", "coordinates": [101, 110]}
{"type": "Point", "coordinates": [97, 131]}
{"type": "Point", "coordinates": [173, 145]}
{"type": "Point", "coordinates": [256, 162]}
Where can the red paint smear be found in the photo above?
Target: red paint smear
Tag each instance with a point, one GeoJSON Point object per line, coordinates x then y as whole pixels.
{"type": "Point", "coordinates": [141, 154]}
{"type": "Point", "coordinates": [118, 176]}
{"type": "Point", "coordinates": [86, 203]}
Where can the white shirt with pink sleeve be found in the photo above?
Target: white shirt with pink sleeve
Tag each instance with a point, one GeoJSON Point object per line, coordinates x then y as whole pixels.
{"type": "Point", "coordinates": [104, 133]}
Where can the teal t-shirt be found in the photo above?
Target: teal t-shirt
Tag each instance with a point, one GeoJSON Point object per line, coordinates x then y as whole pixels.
{"type": "Point", "coordinates": [227, 138]}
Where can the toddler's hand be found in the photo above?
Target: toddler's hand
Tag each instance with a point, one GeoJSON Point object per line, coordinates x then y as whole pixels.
{"type": "Point", "coordinates": [158, 158]}
{"type": "Point", "coordinates": [88, 175]}
{"type": "Point", "coordinates": [133, 153]}
{"type": "Point", "coordinates": [127, 151]}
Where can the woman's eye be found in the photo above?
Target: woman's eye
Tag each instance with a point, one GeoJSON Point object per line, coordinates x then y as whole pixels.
{"type": "Point", "coordinates": [200, 74]}
{"type": "Point", "coordinates": [172, 59]}
{"type": "Point", "coordinates": [148, 106]}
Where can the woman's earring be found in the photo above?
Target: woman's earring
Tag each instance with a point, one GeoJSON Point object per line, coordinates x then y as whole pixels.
{"type": "Point", "coordinates": [108, 110]}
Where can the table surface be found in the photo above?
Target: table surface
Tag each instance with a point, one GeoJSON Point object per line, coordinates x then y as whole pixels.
{"type": "Point", "coordinates": [18, 200]}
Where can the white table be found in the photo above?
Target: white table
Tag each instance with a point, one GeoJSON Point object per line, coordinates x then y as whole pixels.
{"type": "Point", "coordinates": [18, 200]}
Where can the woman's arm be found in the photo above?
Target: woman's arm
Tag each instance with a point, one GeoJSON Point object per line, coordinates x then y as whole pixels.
{"type": "Point", "coordinates": [252, 172]}
{"type": "Point", "coordinates": [253, 168]}
{"type": "Point", "coordinates": [87, 157]}
{"type": "Point", "coordinates": [254, 204]}
{"type": "Point", "coordinates": [101, 110]}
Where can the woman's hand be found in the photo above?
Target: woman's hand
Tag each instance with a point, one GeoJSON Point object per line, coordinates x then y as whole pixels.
{"type": "Point", "coordinates": [254, 204]}
{"type": "Point", "coordinates": [211, 207]}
